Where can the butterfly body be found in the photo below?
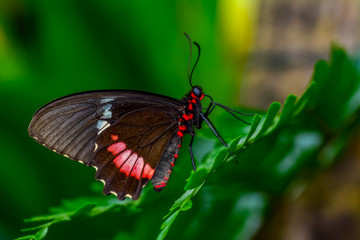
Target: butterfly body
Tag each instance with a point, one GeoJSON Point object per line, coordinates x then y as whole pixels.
{"type": "Point", "coordinates": [129, 137]}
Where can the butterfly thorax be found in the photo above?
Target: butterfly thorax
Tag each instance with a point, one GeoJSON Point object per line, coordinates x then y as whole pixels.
{"type": "Point", "coordinates": [192, 117]}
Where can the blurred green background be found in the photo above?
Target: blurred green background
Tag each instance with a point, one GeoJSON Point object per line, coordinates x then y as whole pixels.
{"type": "Point", "coordinates": [253, 53]}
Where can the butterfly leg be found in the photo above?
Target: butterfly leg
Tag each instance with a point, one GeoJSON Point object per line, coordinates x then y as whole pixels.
{"type": "Point", "coordinates": [191, 151]}
{"type": "Point", "coordinates": [213, 104]}
{"type": "Point", "coordinates": [213, 129]}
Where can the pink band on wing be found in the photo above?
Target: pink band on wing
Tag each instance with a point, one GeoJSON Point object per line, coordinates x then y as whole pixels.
{"type": "Point", "coordinates": [128, 165]}
{"type": "Point", "coordinates": [136, 172]}
{"type": "Point", "coordinates": [116, 148]}
{"type": "Point", "coordinates": [121, 158]}
{"type": "Point", "coordinates": [148, 172]}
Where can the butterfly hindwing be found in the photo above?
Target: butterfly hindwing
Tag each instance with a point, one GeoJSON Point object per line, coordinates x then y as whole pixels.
{"type": "Point", "coordinates": [129, 151]}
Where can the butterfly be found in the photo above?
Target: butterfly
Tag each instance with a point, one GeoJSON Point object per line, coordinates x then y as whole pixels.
{"type": "Point", "coordinates": [129, 137]}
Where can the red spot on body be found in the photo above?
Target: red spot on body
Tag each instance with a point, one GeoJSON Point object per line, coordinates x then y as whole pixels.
{"type": "Point", "coordinates": [136, 172]}
{"type": "Point", "coordinates": [169, 171]}
{"type": "Point", "coordinates": [120, 159]}
{"type": "Point", "coordinates": [188, 117]}
{"type": "Point", "coordinates": [148, 172]}
{"type": "Point", "coordinates": [182, 128]}
{"type": "Point", "coordinates": [193, 101]}
{"type": "Point", "coordinates": [180, 134]}
{"type": "Point", "coordinates": [179, 146]}
{"type": "Point", "coordinates": [160, 185]}
{"type": "Point", "coordinates": [176, 156]}
{"type": "Point", "coordinates": [128, 165]}
{"type": "Point", "coordinates": [193, 95]}
{"type": "Point", "coordinates": [172, 164]}
{"type": "Point", "coordinates": [114, 137]}
{"type": "Point", "coordinates": [116, 148]}
{"type": "Point", "coordinates": [190, 107]}
{"type": "Point", "coordinates": [166, 178]}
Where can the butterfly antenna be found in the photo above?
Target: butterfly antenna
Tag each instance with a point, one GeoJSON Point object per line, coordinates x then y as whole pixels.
{"type": "Point", "coordinates": [189, 75]}
{"type": "Point", "coordinates": [197, 60]}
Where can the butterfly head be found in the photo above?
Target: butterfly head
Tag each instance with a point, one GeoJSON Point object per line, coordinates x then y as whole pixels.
{"type": "Point", "coordinates": [197, 93]}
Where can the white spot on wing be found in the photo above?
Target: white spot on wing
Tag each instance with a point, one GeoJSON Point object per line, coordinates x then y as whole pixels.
{"type": "Point", "coordinates": [65, 155]}
{"type": "Point", "coordinates": [128, 195]}
{"type": "Point", "coordinates": [112, 192]}
{"type": "Point", "coordinates": [81, 161]}
{"type": "Point", "coordinates": [105, 100]}
{"type": "Point", "coordinates": [101, 180]}
{"type": "Point", "coordinates": [102, 125]}
{"type": "Point", "coordinates": [95, 168]}
{"type": "Point", "coordinates": [107, 113]}
{"type": "Point", "coordinates": [96, 146]}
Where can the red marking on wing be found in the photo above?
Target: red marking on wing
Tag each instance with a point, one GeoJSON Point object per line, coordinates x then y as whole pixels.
{"type": "Point", "coordinates": [114, 137]}
{"type": "Point", "coordinates": [172, 164]}
{"type": "Point", "coordinates": [136, 172]}
{"type": "Point", "coordinates": [116, 148]}
{"type": "Point", "coordinates": [120, 159]}
{"type": "Point", "coordinates": [180, 134]}
{"type": "Point", "coordinates": [179, 146]}
{"type": "Point", "coordinates": [160, 185]}
{"type": "Point", "coordinates": [176, 156]}
{"type": "Point", "coordinates": [202, 96]}
{"type": "Point", "coordinates": [148, 172]}
{"type": "Point", "coordinates": [182, 128]}
{"type": "Point", "coordinates": [166, 178]}
{"type": "Point", "coordinates": [128, 165]}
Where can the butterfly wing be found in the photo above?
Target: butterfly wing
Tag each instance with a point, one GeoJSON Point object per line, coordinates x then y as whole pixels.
{"type": "Point", "coordinates": [82, 127]}
{"type": "Point", "coordinates": [128, 153]}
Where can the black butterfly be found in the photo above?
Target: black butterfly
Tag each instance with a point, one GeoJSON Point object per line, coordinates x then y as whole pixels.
{"type": "Point", "coordinates": [129, 137]}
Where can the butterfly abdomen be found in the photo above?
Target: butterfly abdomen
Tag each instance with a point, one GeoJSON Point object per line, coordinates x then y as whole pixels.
{"type": "Point", "coordinates": [167, 162]}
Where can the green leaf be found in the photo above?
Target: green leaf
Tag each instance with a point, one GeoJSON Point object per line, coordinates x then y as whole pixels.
{"type": "Point", "coordinates": [254, 125]}
{"type": "Point", "coordinates": [48, 217]}
{"type": "Point", "coordinates": [166, 225]}
{"type": "Point", "coordinates": [186, 205]}
{"type": "Point", "coordinates": [41, 234]}
{"type": "Point", "coordinates": [219, 159]}
{"type": "Point", "coordinates": [196, 179]}
{"type": "Point", "coordinates": [270, 116]}
{"type": "Point", "coordinates": [305, 99]}
{"type": "Point", "coordinates": [84, 209]}
{"type": "Point", "coordinates": [180, 201]}
{"type": "Point", "coordinates": [288, 110]}
{"type": "Point", "coordinates": [25, 237]}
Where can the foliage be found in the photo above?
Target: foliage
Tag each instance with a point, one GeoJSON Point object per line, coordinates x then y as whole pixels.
{"type": "Point", "coordinates": [225, 200]}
